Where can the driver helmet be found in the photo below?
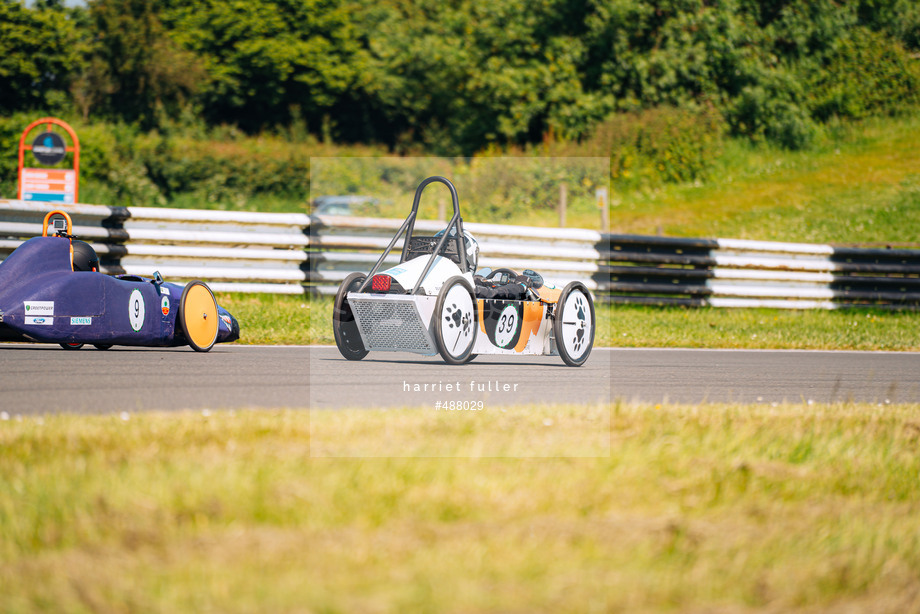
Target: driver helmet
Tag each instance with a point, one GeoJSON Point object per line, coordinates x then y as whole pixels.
{"type": "Point", "coordinates": [471, 245]}
{"type": "Point", "coordinates": [84, 256]}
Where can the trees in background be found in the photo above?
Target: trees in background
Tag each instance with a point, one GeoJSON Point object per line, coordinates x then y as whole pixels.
{"type": "Point", "coordinates": [456, 76]}
{"type": "Point", "coordinates": [38, 52]}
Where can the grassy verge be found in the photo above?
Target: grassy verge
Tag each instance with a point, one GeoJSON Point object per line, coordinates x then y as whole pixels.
{"type": "Point", "coordinates": [861, 185]}
{"type": "Point", "coordinates": [704, 508]}
{"type": "Point", "coordinates": [295, 320]}
{"type": "Point", "coordinates": [636, 326]}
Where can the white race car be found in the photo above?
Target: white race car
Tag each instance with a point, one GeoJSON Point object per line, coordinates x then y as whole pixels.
{"type": "Point", "coordinates": [432, 303]}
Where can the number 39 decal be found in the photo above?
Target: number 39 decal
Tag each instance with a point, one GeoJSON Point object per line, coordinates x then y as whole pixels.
{"type": "Point", "coordinates": [506, 326]}
{"type": "Point", "coordinates": [136, 310]}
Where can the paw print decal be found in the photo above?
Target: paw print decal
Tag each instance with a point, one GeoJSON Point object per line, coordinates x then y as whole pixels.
{"type": "Point", "coordinates": [454, 317]}
{"type": "Point", "coordinates": [579, 340]}
{"type": "Point", "coordinates": [580, 310]}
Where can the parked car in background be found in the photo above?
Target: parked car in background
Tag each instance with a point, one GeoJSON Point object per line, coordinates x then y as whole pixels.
{"type": "Point", "coordinates": [342, 205]}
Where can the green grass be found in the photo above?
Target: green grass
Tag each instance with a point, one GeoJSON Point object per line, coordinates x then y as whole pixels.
{"type": "Point", "coordinates": [297, 320]}
{"type": "Point", "coordinates": [869, 330]}
{"type": "Point", "coordinates": [266, 319]}
{"type": "Point", "coordinates": [861, 185]}
{"type": "Point", "coordinates": [276, 319]}
{"type": "Point", "coordinates": [304, 321]}
{"type": "Point", "coordinates": [753, 508]}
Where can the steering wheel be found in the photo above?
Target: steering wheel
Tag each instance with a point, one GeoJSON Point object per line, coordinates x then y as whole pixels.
{"type": "Point", "coordinates": [506, 275]}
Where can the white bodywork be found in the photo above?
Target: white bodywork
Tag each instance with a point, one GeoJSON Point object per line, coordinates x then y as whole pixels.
{"type": "Point", "coordinates": [407, 273]}
{"type": "Point", "coordinates": [434, 308]}
{"type": "Point", "coordinates": [395, 323]}
{"type": "Point", "coordinates": [538, 343]}
{"type": "Point", "coordinates": [404, 323]}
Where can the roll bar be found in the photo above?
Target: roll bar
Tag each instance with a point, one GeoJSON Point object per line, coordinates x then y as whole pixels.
{"type": "Point", "coordinates": [52, 214]}
{"type": "Point", "coordinates": [409, 225]}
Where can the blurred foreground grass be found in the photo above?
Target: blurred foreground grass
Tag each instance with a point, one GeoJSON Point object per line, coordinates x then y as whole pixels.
{"type": "Point", "coordinates": [754, 508]}
{"type": "Point", "coordinates": [297, 320]}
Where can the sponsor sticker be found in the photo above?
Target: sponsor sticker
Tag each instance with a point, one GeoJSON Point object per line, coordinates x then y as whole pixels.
{"type": "Point", "coordinates": [40, 320]}
{"type": "Point", "coordinates": [1, 316]}
{"type": "Point", "coordinates": [39, 308]}
{"type": "Point", "coordinates": [164, 290]}
{"type": "Point", "coordinates": [81, 321]}
{"type": "Point", "coordinates": [164, 305]}
{"type": "Point", "coordinates": [226, 320]}
{"type": "Point", "coordinates": [136, 310]}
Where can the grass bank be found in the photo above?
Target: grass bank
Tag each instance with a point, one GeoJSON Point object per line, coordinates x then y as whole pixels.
{"type": "Point", "coordinates": [860, 185]}
{"type": "Point", "coordinates": [751, 508]}
{"type": "Point", "coordinates": [296, 320]}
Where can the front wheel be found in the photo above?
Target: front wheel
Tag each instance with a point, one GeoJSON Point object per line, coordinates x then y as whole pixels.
{"type": "Point", "coordinates": [71, 346]}
{"type": "Point", "coordinates": [198, 317]}
{"type": "Point", "coordinates": [573, 325]}
{"type": "Point", "coordinates": [344, 326]}
{"type": "Point", "coordinates": [455, 321]}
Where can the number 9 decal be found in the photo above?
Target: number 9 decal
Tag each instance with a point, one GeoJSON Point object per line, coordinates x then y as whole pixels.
{"type": "Point", "coordinates": [136, 310]}
{"type": "Point", "coordinates": [506, 327]}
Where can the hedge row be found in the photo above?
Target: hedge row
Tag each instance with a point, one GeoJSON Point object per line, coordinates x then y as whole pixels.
{"type": "Point", "coordinates": [122, 166]}
{"type": "Point", "coordinates": [454, 78]}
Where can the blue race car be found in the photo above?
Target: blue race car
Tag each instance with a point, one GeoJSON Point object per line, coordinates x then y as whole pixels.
{"type": "Point", "coordinates": [51, 292]}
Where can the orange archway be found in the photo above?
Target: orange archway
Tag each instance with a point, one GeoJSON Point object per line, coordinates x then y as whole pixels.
{"type": "Point", "coordinates": [53, 185]}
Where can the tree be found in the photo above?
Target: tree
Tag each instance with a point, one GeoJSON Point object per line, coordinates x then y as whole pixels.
{"type": "Point", "coordinates": [37, 56]}
{"type": "Point", "coordinates": [457, 76]}
{"type": "Point", "coordinates": [134, 70]}
{"type": "Point", "coordinates": [268, 60]}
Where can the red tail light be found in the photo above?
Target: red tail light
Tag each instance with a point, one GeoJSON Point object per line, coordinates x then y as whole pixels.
{"type": "Point", "coordinates": [380, 283]}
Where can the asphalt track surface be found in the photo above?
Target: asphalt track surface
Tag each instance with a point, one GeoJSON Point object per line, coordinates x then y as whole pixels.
{"type": "Point", "coordinates": [39, 379]}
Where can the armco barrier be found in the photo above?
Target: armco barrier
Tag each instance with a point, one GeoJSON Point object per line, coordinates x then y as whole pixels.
{"type": "Point", "coordinates": [738, 273]}
{"type": "Point", "coordinates": [233, 251]}
{"type": "Point", "coordinates": [294, 253]}
{"type": "Point", "coordinates": [286, 253]}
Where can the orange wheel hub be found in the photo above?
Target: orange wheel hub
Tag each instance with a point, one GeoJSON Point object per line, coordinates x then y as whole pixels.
{"type": "Point", "coordinates": [200, 316]}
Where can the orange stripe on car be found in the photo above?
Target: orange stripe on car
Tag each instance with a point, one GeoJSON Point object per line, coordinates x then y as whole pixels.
{"type": "Point", "coordinates": [533, 315]}
{"type": "Point", "coordinates": [549, 295]}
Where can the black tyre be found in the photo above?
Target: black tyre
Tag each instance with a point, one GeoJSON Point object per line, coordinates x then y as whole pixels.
{"type": "Point", "coordinates": [71, 346]}
{"type": "Point", "coordinates": [198, 316]}
{"type": "Point", "coordinates": [456, 321]}
{"type": "Point", "coordinates": [344, 326]}
{"type": "Point", "coordinates": [102, 346]}
{"type": "Point", "coordinates": [574, 324]}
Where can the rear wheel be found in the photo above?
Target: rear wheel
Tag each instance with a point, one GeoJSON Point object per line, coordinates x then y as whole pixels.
{"type": "Point", "coordinates": [344, 326]}
{"type": "Point", "coordinates": [573, 325]}
{"type": "Point", "coordinates": [455, 321]}
{"type": "Point", "coordinates": [198, 317]}
{"type": "Point", "coordinates": [71, 346]}
{"type": "Point", "coordinates": [102, 346]}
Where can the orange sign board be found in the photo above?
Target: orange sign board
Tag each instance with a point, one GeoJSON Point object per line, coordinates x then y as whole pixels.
{"type": "Point", "coordinates": [49, 184]}
{"type": "Point", "coordinates": [58, 185]}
